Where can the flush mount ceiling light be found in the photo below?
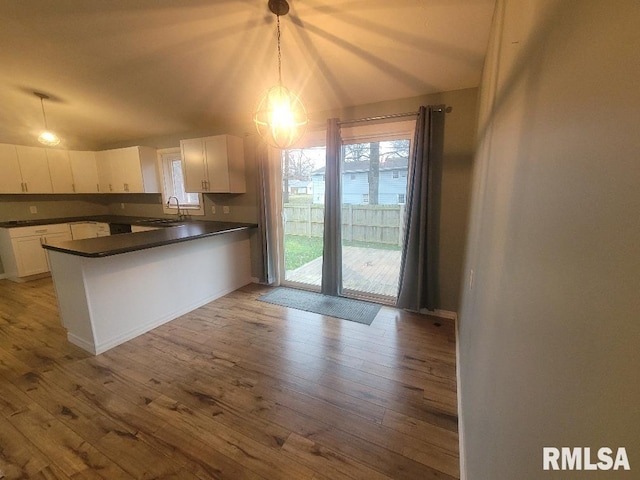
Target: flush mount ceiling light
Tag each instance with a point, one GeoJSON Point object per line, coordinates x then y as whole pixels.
{"type": "Point", "coordinates": [47, 137]}
{"type": "Point", "coordinates": [280, 117]}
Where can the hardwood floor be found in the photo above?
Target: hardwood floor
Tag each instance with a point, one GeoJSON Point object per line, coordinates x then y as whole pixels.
{"type": "Point", "coordinates": [238, 389]}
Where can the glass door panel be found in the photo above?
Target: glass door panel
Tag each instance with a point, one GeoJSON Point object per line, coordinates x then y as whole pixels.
{"type": "Point", "coordinates": [303, 215]}
{"type": "Point", "coordinates": [374, 189]}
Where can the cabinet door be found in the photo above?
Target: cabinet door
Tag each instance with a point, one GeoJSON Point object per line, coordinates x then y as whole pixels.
{"type": "Point", "coordinates": [235, 158]}
{"type": "Point", "coordinates": [31, 258]}
{"type": "Point", "coordinates": [35, 169]}
{"type": "Point", "coordinates": [116, 160]}
{"type": "Point", "coordinates": [194, 165]}
{"type": "Point", "coordinates": [102, 229]}
{"type": "Point", "coordinates": [126, 170]}
{"type": "Point", "coordinates": [217, 163]}
{"type": "Point", "coordinates": [10, 180]}
{"type": "Point", "coordinates": [103, 163]}
{"type": "Point", "coordinates": [84, 168]}
{"type": "Point", "coordinates": [224, 156]}
{"type": "Point", "coordinates": [80, 231]}
{"type": "Point", "coordinates": [60, 170]}
{"type": "Point", "coordinates": [142, 228]}
{"type": "Point", "coordinates": [64, 236]}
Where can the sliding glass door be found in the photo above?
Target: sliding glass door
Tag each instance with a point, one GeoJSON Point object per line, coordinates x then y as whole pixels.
{"type": "Point", "coordinates": [373, 176]}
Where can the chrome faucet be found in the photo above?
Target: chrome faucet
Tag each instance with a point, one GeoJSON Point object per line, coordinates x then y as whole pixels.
{"type": "Point", "coordinates": [177, 205]}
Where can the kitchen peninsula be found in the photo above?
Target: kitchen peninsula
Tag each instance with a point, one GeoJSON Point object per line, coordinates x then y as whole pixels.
{"type": "Point", "coordinates": [112, 289]}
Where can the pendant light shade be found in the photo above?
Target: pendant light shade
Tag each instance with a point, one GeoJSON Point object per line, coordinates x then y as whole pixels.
{"type": "Point", "coordinates": [280, 116]}
{"type": "Point", "coordinates": [47, 137]}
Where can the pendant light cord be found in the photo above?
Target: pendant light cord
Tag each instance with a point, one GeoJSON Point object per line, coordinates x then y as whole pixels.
{"type": "Point", "coordinates": [43, 114]}
{"type": "Point", "coordinates": [279, 52]}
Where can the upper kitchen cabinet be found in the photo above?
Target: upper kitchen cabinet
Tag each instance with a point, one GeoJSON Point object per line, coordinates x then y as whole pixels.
{"type": "Point", "coordinates": [214, 164]}
{"type": "Point", "coordinates": [11, 179]}
{"type": "Point", "coordinates": [34, 168]}
{"type": "Point", "coordinates": [128, 170]}
{"type": "Point", "coordinates": [84, 168]}
{"type": "Point", "coordinates": [60, 170]}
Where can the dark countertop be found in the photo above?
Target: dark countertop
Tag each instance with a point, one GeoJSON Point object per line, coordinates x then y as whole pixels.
{"type": "Point", "coordinates": [131, 242]}
{"type": "Point", "coordinates": [122, 219]}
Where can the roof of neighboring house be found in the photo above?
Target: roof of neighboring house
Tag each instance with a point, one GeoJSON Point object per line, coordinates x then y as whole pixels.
{"type": "Point", "coordinates": [299, 183]}
{"type": "Point", "coordinates": [363, 166]}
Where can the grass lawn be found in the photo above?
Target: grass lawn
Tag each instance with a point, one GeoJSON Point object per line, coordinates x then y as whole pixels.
{"type": "Point", "coordinates": [300, 250]}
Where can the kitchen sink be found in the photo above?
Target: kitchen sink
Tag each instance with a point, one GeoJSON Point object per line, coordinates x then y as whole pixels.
{"type": "Point", "coordinates": [162, 221]}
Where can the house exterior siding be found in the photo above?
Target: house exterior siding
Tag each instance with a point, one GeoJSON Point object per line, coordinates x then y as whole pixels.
{"type": "Point", "coordinates": [355, 187]}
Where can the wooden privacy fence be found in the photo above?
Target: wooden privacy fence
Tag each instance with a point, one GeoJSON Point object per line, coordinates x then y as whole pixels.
{"type": "Point", "coordinates": [360, 223]}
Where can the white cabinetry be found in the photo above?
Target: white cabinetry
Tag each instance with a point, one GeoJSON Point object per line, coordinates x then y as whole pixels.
{"type": "Point", "coordinates": [10, 180]}
{"type": "Point", "coordinates": [39, 170]}
{"type": "Point", "coordinates": [102, 229]}
{"type": "Point", "coordinates": [24, 170]}
{"type": "Point", "coordinates": [34, 168]}
{"type": "Point", "coordinates": [82, 230]}
{"type": "Point", "coordinates": [60, 171]}
{"type": "Point", "coordinates": [214, 164]}
{"type": "Point", "coordinates": [22, 252]}
{"type": "Point", "coordinates": [142, 228]}
{"type": "Point", "coordinates": [128, 170]}
{"type": "Point", "coordinates": [84, 168]}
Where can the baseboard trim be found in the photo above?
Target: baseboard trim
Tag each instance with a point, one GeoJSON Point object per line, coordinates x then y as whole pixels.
{"type": "Point", "coordinates": [461, 443]}
{"type": "Point", "coordinates": [441, 313]}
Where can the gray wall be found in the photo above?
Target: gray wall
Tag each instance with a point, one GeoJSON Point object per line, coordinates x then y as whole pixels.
{"type": "Point", "coordinates": [550, 331]}
{"type": "Point", "coordinates": [17, 207]}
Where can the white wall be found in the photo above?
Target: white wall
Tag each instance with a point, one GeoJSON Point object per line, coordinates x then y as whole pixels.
{"type": "Point", "coordinates": [550, 331]}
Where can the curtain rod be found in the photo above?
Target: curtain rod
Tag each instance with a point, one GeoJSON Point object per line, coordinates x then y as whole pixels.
{"type": "Point", "coordinates": [392, 115]}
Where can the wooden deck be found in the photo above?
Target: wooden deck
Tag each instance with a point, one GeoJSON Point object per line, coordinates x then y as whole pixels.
{"type": "Point", "coordinates": [366, 270]}
{"type": "Point", "coordinates": [237, 389]}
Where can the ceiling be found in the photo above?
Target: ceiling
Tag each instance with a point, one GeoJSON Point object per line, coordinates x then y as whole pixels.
{"type": "Point", "coordinates": [122, 70]}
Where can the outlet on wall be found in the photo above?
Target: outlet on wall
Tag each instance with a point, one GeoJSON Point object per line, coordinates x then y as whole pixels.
{"type": "Point", "coordinates": [225, 209]}
{"type": "Point", "coordinates": [122, 206]}
{"type": "Point", "coordinates": [213, 209]}
{"type": "Point", "coordinates": [33, 209]}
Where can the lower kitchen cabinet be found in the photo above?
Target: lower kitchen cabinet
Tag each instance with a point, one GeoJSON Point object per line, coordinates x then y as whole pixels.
{"type": "Point", "coordinates": [82, 230]}
{"type": "Point", "coordinates": [22, 252]}
{"type": "Point", "coordinates": [142, 228]}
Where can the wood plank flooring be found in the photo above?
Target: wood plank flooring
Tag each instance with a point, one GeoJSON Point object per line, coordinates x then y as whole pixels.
{"type": "Point", "coordinates": [238, 389]}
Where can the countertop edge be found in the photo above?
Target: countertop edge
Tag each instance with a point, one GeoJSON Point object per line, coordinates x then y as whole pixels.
{"type": "Point", "coordinates": [153, 243]}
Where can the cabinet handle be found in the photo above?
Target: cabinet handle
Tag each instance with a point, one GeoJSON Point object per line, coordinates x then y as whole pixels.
{"type": "Point", "coordinates": [73, 187]}
{"type": "Point", "coordinates": [22, 186]}
{"type": "Point", "coordinates": [26, 187]}
{"type": "Point", "coordinates": [126, 187]}
{"type": "Point", "coordinates": [41, 231]}
{"type": "Point", "coordinates": [110, 188]}
{"type": "Point", "coordinates": [97, 187]}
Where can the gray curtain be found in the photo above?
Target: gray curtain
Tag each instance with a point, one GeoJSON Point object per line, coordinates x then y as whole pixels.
{"type": "Point", "coordinates": [418, 286]}
{"type": "Point", "coordinates": [265, 235]}
{"type": "Point", "coordinates": [332, 250]}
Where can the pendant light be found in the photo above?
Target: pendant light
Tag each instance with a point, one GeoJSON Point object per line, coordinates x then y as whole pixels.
{"type": "Point", "coordinates": [47, 137]}
{"type": "Point", "coordinates": [280, 116]}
